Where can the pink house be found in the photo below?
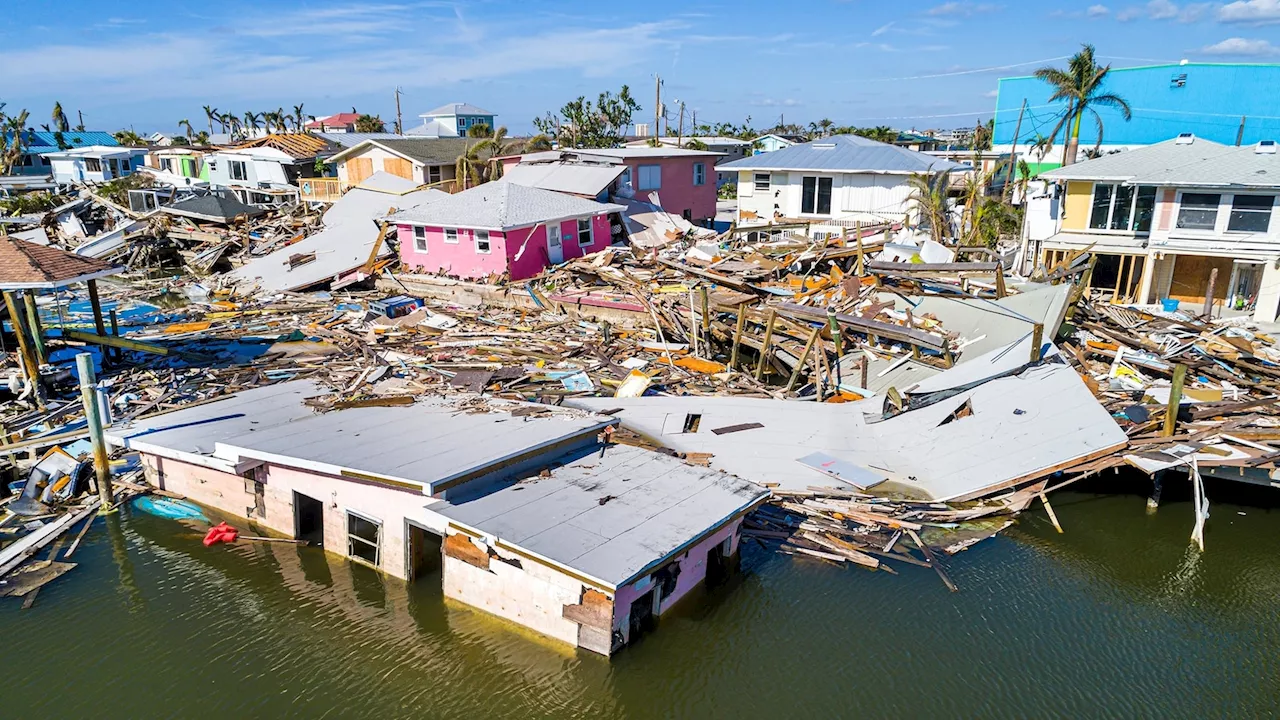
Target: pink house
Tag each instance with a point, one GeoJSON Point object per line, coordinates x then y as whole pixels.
{"type": "Point", "coordinates": [684, 180]}
{"type": "Point", "coordinates": [501, 228]}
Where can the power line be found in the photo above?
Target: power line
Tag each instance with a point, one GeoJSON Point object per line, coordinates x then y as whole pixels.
{"type": "Point", "coordinates": [959, 72]}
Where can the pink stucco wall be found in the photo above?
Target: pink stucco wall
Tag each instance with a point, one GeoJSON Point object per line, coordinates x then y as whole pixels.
{"type": "Point", "coordinates": [463, 261]}
{"type": "Point", "coordinates": [460, 259]}
{"type": "Point", "coordinates": [1165, 213]}
{"type": "Point", "coordinates": [678, 193]}
{"type": "Point", "coordinates": [693, 571]}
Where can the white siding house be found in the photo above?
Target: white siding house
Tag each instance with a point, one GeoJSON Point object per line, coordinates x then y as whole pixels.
{"type": "Point", "coordinates": [834, 183]}
{"type": "Point", "coordinates": [94, 164]}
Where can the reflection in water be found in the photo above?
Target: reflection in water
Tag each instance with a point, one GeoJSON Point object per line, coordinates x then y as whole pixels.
{"type": "Point", "coordinates": [277, 630]}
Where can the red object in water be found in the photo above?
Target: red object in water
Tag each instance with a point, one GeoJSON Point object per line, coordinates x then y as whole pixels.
{"type": "Point", "coordinates": [220, 533]}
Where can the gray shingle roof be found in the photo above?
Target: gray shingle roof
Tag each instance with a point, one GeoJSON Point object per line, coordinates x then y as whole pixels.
{"type": "Point", "coordinates": [426, 150]}
{"type": "Point", "coordinates": [500, 206]}
{"type": "Point", "coordinates": [844, 153]}
{"type": "Point", "coordinates": [347, 140]}
{"type": "Point", "coordinates": [1140, 162]}
{"type": "Point", "coordinates": [456, 109]}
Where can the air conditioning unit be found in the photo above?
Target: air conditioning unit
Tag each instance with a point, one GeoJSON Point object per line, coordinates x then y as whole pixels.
{"type": "Point", "coordinates": [1179, 80]}
{"type": "Point", "coordinates": [1185, 139]}
{"type": "Point", "coordinates": [1265, 147]}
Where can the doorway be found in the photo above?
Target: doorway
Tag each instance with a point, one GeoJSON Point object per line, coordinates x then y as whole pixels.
{"type": "Point", "coordinates": [423, 551]}
{"type": "Point", "coordinates": [719, 564]}
{"type": "Point", "coordinates": [555, 250]}
{"type": "Point", "coordinates": [641, 616]}
{"type": "Point", "coordinates": [308, 519]}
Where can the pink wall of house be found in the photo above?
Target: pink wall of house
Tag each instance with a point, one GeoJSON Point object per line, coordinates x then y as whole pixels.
{"type": "Point", "coordinates": [693, 571]}
{"type": "Point", "coordinates": [535, 258]}
{"type": "Point", "coordinates": [1165, 212]}
{"type": "Point", "coordinates": [678, 193]}
{"type": "Point", "coordinates": [460, 258]}
{"type": "Point", "coordinates": [463, 261]}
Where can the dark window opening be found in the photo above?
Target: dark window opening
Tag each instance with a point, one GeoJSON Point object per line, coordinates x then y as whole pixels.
{"type": "Point", "coordinates": [362, 538]}
{"type": "Point", "coordinates": [691, 423]}
{"type": "Point", "coordinates": [308, 519]}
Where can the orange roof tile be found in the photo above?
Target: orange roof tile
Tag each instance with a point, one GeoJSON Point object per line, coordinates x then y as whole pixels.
{"type": "Point", "coordinates": [28, 265]}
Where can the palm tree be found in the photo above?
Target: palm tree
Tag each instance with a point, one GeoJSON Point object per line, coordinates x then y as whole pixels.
{"type": "Point", "coordinates": [60, 122]}
{"type": "Point", "coordinates": [929, 198]}
{"type": "Point", "coordinates": [467, 168]}
{"type": "Point", "coordinates": [269, 121]}
{"type": "Point", "coordinates": [129, 138]}
{"type": "Point", "coordinates": [224, 121]}
{"type": "Point", "coordinates": [201, 138]}
{"type": "Point", "coordinates": [480, 130]}
{"type": "Point", "coordinates": [211, 113]}
{"type": "Point", "coordinates": [12, 139]}
{"type": "Point", "coordinates": [1081, 86]}
{"type": "Point", "coordinates": [298, 118]}
{"type": "Point", "coordinates": [825, 125]}
{"type": "Point", "coordinates": [187, 124]}
{"type": "Point", "coordinates": [252, 120]}
{"type": "Point", "coordinates": [538, 143]}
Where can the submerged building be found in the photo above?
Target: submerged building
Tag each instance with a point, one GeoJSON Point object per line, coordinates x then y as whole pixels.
{"type": "Point", "coordinates": [528, 512]}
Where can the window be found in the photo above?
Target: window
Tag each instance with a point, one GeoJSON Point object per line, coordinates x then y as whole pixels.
{"type": "Point", "coordinates": [815, 196]}
{"type": "Point", "coordinates": [650, 177]}
{"type": "Point", "coordinates": [166, 164]}
{"type": "Point", "coordinates": [1122, 207]}
{"type": "Point", "coordinates": [451, 236]}
{"type": "Point", "coordinates": [482, 242]}
{"type": "Point", "coordinates": [1250, 213]}
{"type": "Point", "coordinates": [584, 232]}
{"type": "Point", "coordinates": [420, 238]}
{"type": "Point", "coordinates": [93, 164]}
{"type": "Point", "coordinates": [625, 178]}
{"type": "Point", "coordinates": [433, 174]}
{"type": "Point", "coordinates": [1198, 211]}
{"type": "Point", "coordinates": [237, 170]}
{"type": "Point", "coordinates": [761, 181]}
{"type": "Point", "coordinates": [699, 173]}
{"type": "Point", "coordinates": [362, 538]}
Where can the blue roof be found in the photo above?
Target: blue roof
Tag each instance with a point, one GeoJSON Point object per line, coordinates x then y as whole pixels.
{"type": "Point", "coordinates": [1207, 99]}
{"type": "Point", "coordinates": [43, 141]}
{"type": "Point", "coordinates": [844, 153]}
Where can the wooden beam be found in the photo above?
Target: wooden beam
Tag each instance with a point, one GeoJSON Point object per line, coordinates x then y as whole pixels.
{"type": "Point", "coordinates": [116, 342]}
{"type": "Point", "coordinates": [863, 325]}
{"type": "Point", "coordinates": [98, 324]}
{"type": "Point", "coordinates": [1175, 399]}
{"type": "Point", "coordinates": [768, 336]}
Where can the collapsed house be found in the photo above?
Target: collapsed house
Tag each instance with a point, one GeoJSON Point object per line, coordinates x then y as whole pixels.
{"type": "Point", "coordinates": [532, 517]}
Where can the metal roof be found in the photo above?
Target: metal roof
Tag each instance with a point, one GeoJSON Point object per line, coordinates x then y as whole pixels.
{"type": "Point", "coordinates": [502, 205]}
{"type": "Point", "coordinates": [610, 515]}
{"type": "Point", "coordinates": [456, 109]}
{"type": "Point", "coordinates": [844, 153]}
{"type": "Point", "coordinates": [424, 444]}
{"type": "Point", "coordinates": [1140, 162]}
{"type": "Point", "coordinates": [589, 179]}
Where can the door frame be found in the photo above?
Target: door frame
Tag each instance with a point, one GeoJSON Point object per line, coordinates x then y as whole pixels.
{"type": "Point", "coordinates": [559, 246]}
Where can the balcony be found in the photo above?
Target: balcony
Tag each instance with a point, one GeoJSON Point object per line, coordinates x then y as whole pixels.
{"type": "Point", "coordinates": [320, 189]}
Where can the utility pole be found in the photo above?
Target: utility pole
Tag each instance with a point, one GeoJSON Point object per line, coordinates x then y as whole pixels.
{"type": "Point", "coordinates": [680, 127]}
{"type": "Point", "coordinates": [1240, 132]}
{"type": "Point", "coordinates": [399, 120]}
{"type": "Point", "coordinates": [657, 108]}
{"type": "Point", "coordinates": [1013, 152]}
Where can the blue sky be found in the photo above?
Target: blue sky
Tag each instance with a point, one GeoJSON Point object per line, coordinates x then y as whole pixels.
{"type": "Point", "coordinates": [150, 63]}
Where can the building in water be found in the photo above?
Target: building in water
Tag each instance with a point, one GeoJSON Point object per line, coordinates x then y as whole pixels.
{"type": "Point", "coordinates": [531, 516]}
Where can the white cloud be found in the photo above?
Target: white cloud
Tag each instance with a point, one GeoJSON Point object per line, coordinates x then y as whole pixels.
{"type": "Point", "coordinates": [771, 102]}
{"type": "Point", "coordinates": [1096, 11]}
{"type": "Point", "coordinates": [1242, 47]}
{"type": "Point", "coordinates": [882, 29]}
{"type": "Point", "coordinates": [962, 9]}
{"type": "Point", "coordinates": [1256, 12]}
{"type": "Point", "coordinates": [991, 94]}
{"type": "Point", "coordinates": [1165, 10]}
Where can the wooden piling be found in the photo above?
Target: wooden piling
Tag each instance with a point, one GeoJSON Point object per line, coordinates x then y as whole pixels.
{"type": "Point", "coordinates": [29, 365]}
{"type": "Point", "coordinates": [1037, 342]}
{"type": "Point", "coordinates": [93, 415]}
{"type": "Point", "coordinates": [1208, 293]}
{"type": "Point", "coordinates": [37, 334]}
{"type": "Point", "coordinates": [1175, 399]}
{"type": "Point", "coordinates": [737, 336]}
{"type": "Point", "coordinates": [764, 347]}
{"type": "Point", "coordinates": [804, 354]}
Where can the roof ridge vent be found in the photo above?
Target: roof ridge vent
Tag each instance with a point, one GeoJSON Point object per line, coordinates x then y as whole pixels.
{"type": "Point", "coordinates": [1265, 147]}
{"type": "Point", "coordinates": [1185, 139]}
{"type": "Point", "coordinates": [824, 145]}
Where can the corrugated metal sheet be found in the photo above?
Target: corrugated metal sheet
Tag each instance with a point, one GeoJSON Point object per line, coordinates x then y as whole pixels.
{"type": "Point", "coordinates": [1209, 102]}
{"type": "Point", "coordinates": [844, 153]}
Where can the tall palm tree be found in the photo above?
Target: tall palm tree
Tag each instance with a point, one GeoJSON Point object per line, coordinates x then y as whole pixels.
{"type": "Point", "coordinates": [468, 167]}
{"type": "Point", "coordinates": [1081, 86]}
{"type": "Point", "coordinates": [211, 113]}
{"type": "Point", "coordinates": [929, 198]}
{"type": "Point", "coordinates": [298, 118]}
{"type": "Point", "coordinates": [269, 121]}
{"type": "Point", "coordinates": [190, 133]}
{"type": "Point", "coordinates": [224, 121]}
{"type": "Point", "coordinates": [252, 120]}
{"type": "Point", "coordinates": [60, 122]}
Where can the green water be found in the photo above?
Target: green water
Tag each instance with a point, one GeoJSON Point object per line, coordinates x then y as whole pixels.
{"type": "Point", "coordinates": [1116, 618]}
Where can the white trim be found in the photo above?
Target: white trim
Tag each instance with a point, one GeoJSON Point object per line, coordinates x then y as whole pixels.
{"type": "Point", "coordinates": [446, 231]}
{"type": "Point", "coordinates": [488, 240]}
